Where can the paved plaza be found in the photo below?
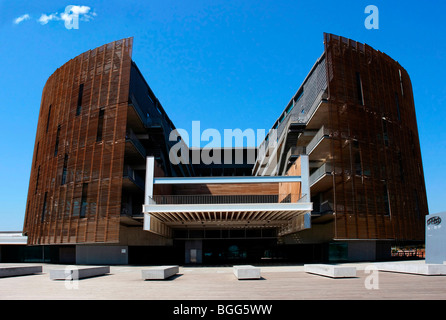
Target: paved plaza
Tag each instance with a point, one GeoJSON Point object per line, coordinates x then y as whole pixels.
{"type": "Point", "coordinates": [284, 282]}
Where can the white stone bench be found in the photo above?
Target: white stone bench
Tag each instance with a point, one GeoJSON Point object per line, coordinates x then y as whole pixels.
{"type": "Point", "coordinates": [413, 268]}
{"type": "Point", "coordinates": [159, 273]}
{"type": "Point", "coordinates": [332, 271]}
{"type": "Point", "coordinates": [246, 272]}
{"type": "Point", "coordinates": [13, 271]}
{"type": "Point", "coordinates": [76, 273]}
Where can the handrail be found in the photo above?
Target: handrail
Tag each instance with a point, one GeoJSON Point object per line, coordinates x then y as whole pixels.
{"type": "Point", "coordinates": [224, 199]}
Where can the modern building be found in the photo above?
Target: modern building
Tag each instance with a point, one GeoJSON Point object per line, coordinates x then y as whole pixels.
{"type": "Point", "coordinates": [339, 176]}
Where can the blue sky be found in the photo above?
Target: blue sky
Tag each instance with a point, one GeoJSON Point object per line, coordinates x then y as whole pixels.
{"type": "Point", "coordinates": [229, 64]}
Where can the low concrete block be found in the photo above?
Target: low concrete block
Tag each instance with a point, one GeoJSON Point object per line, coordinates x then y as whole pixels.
{"type": "Point", "coordinates": [246, 272]}
{"type": "Point", "coordinates": [425, 269]}
{"type": "Point", "coordinates": [332, 271]}
{"type": "Point", "coordinates": [159, 273]}
{"type": "Point", "coordinates": [76, 273]}
{"type": "Point", "coordinates": [14, 271]}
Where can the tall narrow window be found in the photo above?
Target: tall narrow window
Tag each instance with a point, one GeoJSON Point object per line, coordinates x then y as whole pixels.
{"type": "Point", "coordinates": [386, 200]}
{"type": "Point", "coordinates": [84, 200]}
{"type": "Point", "coordinates": [417, 204]}
{"type": "Point", "coordinates": [64, 170]}
{"type": "Point", "coordinates": [48, 119]}
{"type": "Point", "coordinates": [44, 207]}
{"type": "Point", "coordinates": [37, 179]}
{"type": "Point", "coordinates": [79, 99]}
{"type": "Point", "coordinates": [56, 147]}
{"type": "Point", "coordinates": [400, 162]}
{"type": "Point", "coordinates": [357, 157]}
{"type": "Point", "coordinates": [37, 153]}
{"type": "Point", "coordinates": [359, 88]}
{"type": "Point", "coordinates": [385, 133]}
{"type": "Point", "coordinates": [401, 83]}
{"type": "Point", "coordinates": [397, 106]}
{"type": "Point", "coordinates": [100, 125]}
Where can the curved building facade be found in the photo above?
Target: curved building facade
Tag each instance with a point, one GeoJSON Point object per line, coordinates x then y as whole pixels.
{"type": "Point", "coordinates": [347, 140]}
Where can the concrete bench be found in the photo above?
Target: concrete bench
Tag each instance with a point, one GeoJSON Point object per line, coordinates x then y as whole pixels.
{"type": "Point", "coordinates": [159, 273]}
{"type": "Point", "coordinates": [246, 272]}
{"type": "Point", "coordinates": [332, 271]}
{"type": "Point", "coordinates": [76, 273]}
{"type": "Point", "coordinates": [413, 268]}
{"type": "Point", "coordinates": [13, 271]}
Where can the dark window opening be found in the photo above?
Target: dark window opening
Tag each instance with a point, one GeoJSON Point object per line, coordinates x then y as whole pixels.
{"type": "Point", "coordinates": [386, 200]}
{"type": "Point", "coordinates": [400, 162]}
{"type": "Point", "coordinates": [397, 106]}
{"type": "Point", "coordinates": [100, 125]}
{"type": "Point", "coordinates": [64, 170]}
{"type": "Point", "coordinates": [37, 153]}
{"type": "Point", "coordinates": [44, 207]}
{"type": "Point", "coordinates": [48, 119]}
{"type": "Point", "coordinates": [417, 204]}
{"type": "Point", "coordinates": [359, 88]}
{"type": "Point", "coordinates": [385, 133]}
{"type": "Point", "coordinates": [79, 99]}
{"type": "Point", "coordinates": [84, 200]}
{"type": "Point", "coordinates": [37, 179]}
{"type": "Point", "coordinates": [56, 147]}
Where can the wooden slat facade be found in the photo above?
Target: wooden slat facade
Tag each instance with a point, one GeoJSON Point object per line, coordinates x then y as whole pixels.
{"type": "Point", "coordinates": [374, 145]}
{"type": "Point", "coordinates": [70, 162]}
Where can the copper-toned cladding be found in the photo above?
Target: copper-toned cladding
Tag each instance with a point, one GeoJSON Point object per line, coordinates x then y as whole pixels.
{"type": "Point", "coordinates": [378, 189]}
{"type": "Point", "coordinates": [76, 184]}
{"type": "Point", "coordinates": [54, 211]}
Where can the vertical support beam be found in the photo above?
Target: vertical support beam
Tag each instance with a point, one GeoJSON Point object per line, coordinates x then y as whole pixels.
{"type": "Point", "coordinates": [148, 190]}
{"type": "Point", "coordinates": [305, 176]}
{"type": "Point", "coordinates": [150, 172]}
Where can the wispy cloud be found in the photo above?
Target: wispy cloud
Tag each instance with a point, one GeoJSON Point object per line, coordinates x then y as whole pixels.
{"type": "Point", "coordinates": [21, 18]}
{"type": "Point", "coordinates": [44, 19]}
{"type": "Point", "coordinates": [82, 13]}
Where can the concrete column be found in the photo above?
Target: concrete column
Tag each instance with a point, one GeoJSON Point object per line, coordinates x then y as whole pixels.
{"type": "Point", "coordinates": [150, 172]}
{"type": "Point", "coordinates": [305, 176]}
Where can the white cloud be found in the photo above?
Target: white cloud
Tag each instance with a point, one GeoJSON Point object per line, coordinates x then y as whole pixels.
{"type": "Point", "coordinates": [44, 19]}
{"type": "Point", "coordinates": [21, 18]}
{"type": "Point", "coordinates": [82, 12]}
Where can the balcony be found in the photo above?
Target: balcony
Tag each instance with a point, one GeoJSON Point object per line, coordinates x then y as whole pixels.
{"type": "Point", "coordinates": [132, 180]}
{"type": "Point", "coordinates": [227, 210]}
{"type": "Point", "coordinates": [319, 147]}
{"type": "Point", "coordinates": [133, 146]}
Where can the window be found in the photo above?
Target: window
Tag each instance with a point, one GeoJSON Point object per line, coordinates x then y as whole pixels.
{"type": "Point", "coordinates": [359, 88]}
{"type": "Point", "coordinates": [417, 204]}
{"type": "Point", "coordinates": [64, 170]}
{"type": "Point", "coordinates": [401, 83]}
{"type": "Point", "coordinates": [386, 200]}
{"type": "Point", "coordinates": [44, 207]}
{"type": "Point", "coordinates": [48, 119]}
{"type": "Point", "coordinates": [37, 179]}
{"type": "Point", "coordinates": [385, 133]}
{"type": "Point", "coordinates": [79, 99]}
{"type": "Point", "coordinates": [397, 106]}
{"type": "Point", "coordinates": [56, 147]}
{"type": "Point", "coordinates": [37, 153]}
{"type": "Point", "coordinates": [100, 125]}
{"type": "Point", "coordinates": [84, 200]}
{"type": "Point", "coordinates": [400, 163]}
